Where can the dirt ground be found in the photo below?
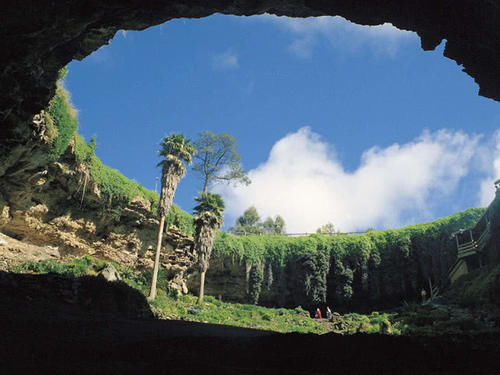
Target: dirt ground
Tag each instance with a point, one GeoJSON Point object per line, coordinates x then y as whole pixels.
{"type": "Point", "coordinates": [13, 252]}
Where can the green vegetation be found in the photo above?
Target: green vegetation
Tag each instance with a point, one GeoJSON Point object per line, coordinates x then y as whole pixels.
{"type": "Point", "coordinates": [235, 314]}
{"type": "Point", "coordinates": [187, 307]}
{"type": "Point", "coordinates": [429, 320]}
{"type": "Point", "coordinates": [111, 182]}
{"type": "Point", "coordinates": [61, 115]}
{"type": "Point", "coordinates": [208, 219]}
{"type": "Point", "coordinates": [382, 267]}
{"type": "Point", "coordinates": [176, 150]}
{"type": "Point", "coordinates": [78, 267]}
{"type": "Point", "coordinates": [413, 319]}
{"type": "Point", "coordinates": [115, 187]}
{"type": "Point", "coordinates": [328, 228]}
{"type": "Point", "coordinates": [218, 160]}
{"type": "Point", "coordinates": [274, 226]}
{"type": "Point", "coordinates": [478, 289]}
{"type": "Point", "coordinates": [376, 322]}
{"type": "Point", "coordinates": [249, 223]}
{"type": "Point", "coordinates": [62, 125]}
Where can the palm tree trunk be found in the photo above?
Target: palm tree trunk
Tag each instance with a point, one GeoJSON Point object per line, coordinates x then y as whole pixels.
{"type": "Point", "coordinates": [152, 293]}
{"type": "Point", "coordinates": [202, 287]}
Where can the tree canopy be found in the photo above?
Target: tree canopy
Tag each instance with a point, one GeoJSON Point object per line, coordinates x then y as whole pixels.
{"type": "Point", "coordinates": [276, 226]}
{"type": "Point", "coordinates": [217, 160]}
{"type": "Point", "coordinates": [249, 223]}
{"type": "Point", "coordinates": [328, 228]}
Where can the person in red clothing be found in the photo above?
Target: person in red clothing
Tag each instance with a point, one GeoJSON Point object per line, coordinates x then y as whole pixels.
{"type": "Point", "coordinates": [318, 314]}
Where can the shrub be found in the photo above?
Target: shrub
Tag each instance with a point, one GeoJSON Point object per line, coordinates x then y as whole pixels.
{"type": "Point", "coordinates": [63, 116]}
{"type": "Point", "coordinates": [255, 283]}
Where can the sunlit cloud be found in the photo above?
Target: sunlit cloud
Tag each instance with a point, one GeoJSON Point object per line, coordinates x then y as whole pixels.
{"type": "Point", "coordinates": [226, 60]}
{"type": "Point", "coordinates": [339, 33]}
{"type": "Point", "coordinates": [490, 159]}
{"type": "Point", "coordinates": [303, 181]}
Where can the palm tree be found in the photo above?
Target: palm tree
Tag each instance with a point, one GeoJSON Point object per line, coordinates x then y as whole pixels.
{"type": "Point", "coordinates": [208, 219]}
{"type": "Point", "coordinates": [176, 150]}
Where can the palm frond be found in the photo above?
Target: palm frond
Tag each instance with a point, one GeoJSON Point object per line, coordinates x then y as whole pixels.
{"type": "Point", "coordinates": [210, 203]}
{"type": "Point", "coordinates": [177, 147]}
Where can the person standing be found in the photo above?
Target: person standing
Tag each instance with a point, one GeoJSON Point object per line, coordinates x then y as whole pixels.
{"type": "Point", "coordinates": [328, 313]}
{"type": "Point", "coordinates": [318, 314]}
{"type": "Point", "coordinates": [423, 294]}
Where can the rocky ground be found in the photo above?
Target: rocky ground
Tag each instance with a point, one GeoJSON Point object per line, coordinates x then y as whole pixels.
{"type": "Point", "coordinates": [14, 252]}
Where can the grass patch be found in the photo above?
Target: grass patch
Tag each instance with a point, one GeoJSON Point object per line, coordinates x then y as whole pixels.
{"type": "Point", "coordinates": [376, 322]}
{"type": "Point", "coordinates": [78, 267]}
{"type": "Point", "coordinates": [235, 314]}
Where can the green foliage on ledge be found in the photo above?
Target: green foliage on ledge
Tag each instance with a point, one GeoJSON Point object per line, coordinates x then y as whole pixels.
{"type": "Point", "coordinates": [63, 116]}
{"type": "Point", "coordinates": [258, 249]}
{"type": "Point", "coordinates": [378, 268]}
{"type": "Point", "coordinates": [62, 124]}
{"type": "Point", "coordinates": [116, 187]}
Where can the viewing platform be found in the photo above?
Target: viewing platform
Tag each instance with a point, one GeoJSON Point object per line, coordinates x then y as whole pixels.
{"type": "Point", "coordinates": [475, 244]}
{"type": "Point", "coordinates": [471, 243]}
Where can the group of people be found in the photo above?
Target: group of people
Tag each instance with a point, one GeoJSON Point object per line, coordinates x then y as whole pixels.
{"type": "Point", "coordinates": [318, 315]}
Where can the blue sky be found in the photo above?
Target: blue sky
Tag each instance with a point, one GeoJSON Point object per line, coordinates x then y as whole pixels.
{"type": "Point", "coordinates": [335, 122]}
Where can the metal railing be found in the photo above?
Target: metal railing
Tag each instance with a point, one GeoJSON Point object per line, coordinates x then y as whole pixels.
{"type": "Point", "coordinates": [305, 234]}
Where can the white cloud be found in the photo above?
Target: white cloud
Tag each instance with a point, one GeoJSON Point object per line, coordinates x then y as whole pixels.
{"type": "Point", "coordinates": [303, 181]}
{"type": "Point", "coordinates": [307, 32]}
{"type": "Point", "coordinates": [492, 160]}
{"type": "Point", "coordinates": [226, 60]}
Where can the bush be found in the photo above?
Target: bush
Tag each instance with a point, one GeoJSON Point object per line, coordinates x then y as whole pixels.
{"type": "Point", "coordinates": [63, 116]}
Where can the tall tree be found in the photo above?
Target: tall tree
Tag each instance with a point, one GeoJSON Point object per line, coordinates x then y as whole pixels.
{"type": "Point", "coordinates": [248, 223]}
{"type": "Point", "coordinates": [279, 225]}
{"type": "Point", "coordinates": [328, 228]}
{"type": "Point", "coordinates": [208, 219]}
{"type": "Point", "coordinates": [276, 226]}
{"type": "Point", "coordinates": [217, 160]}
{"type": "Point", "coordinates": [176, 150]}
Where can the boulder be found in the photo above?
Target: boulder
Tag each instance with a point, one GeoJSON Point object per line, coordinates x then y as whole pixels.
{"type": "Point", "coordinates": [110, 273]}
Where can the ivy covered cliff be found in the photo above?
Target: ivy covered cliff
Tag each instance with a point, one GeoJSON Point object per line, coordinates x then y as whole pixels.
{"type": "Point", "coordinates": [348, 272]}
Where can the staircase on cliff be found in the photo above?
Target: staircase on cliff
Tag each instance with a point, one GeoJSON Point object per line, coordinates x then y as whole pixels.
{"type": "Point", "coordinates": [471, 243]}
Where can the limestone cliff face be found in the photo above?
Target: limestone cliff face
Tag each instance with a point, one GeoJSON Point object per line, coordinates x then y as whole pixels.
{"type": "Point", "coordinates": [63, 216]}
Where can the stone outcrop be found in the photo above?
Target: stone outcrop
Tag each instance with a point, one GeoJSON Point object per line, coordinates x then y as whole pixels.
{"type": "Point", "coordinates": [110, 273]}
{"type": "Point", "coordinates": [58, 223]}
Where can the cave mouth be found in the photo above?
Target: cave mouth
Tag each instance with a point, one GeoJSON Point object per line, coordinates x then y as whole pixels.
{"type": "Point", "coordinates": [366, 95]}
